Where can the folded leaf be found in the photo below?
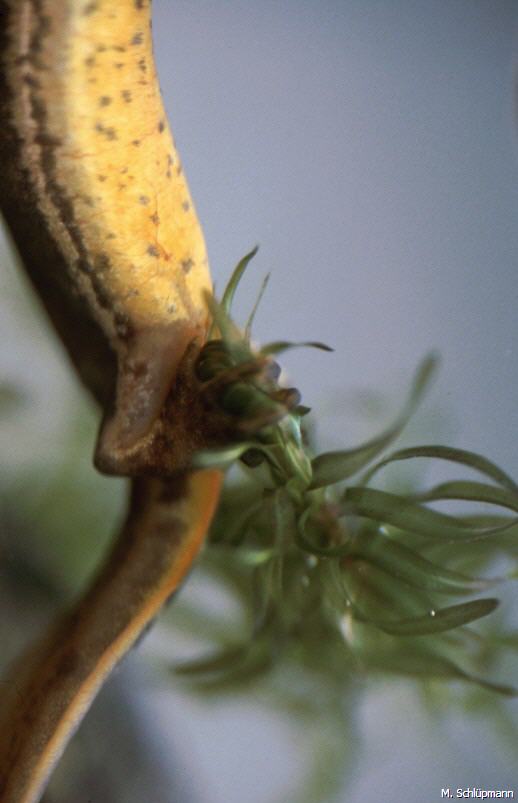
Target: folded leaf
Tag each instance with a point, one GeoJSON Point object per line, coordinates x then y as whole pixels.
{"type": "Point", "coordinates": [219, 458]}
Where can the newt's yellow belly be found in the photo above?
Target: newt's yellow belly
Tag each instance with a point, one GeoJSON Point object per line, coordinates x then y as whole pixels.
{"type": "Point", "coordinates": [108, 173]}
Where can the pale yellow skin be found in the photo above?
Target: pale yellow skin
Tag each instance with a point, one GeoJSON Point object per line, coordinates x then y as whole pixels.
{"type": "Point", "coordinates": [116, 160]}
{"type": "Point", "coordinates": [99, 209]}
{"type": "Point", "coordinates": [111, 190]}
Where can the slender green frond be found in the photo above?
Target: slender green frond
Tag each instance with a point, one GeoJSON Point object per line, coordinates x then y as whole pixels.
{"type": "Point", "coordinates": [332, 467]}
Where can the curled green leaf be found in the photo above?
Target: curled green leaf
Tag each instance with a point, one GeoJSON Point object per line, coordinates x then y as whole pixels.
{"type": "Point", "coordinates": [219, 458]}
{"type": "Point", "coordinates": [220, 661]}
{"type": "Point", "coordinates": [472, 492]}
{"type": "Point", "coordinates": [465, 458]}
{"type": "Point", "coordinates": [408, 515]}
{"type": "Point", "coordinates": [332, 467]}
{"type": "Point", "coordinates": [417, 661]}
{"type": "Point", "coordinates": [280, 346]}
{"type": "Point", "coordinates": [411, 568]}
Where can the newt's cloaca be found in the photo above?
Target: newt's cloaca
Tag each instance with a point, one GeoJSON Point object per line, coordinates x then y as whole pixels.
{"type": "Point", "coordinates": [93, 194]}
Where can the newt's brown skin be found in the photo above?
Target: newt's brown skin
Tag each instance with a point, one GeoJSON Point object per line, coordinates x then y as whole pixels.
{"type": "Point", "coordinates": [52, 688]}
{"type": "Point", "coordinates": [94, 196]}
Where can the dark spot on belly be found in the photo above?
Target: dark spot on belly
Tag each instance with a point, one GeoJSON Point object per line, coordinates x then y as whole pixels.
{"type": "Point", "coordinates": [186, 206]}
{"type": "Point", "coordinates": [153, 251]}
{"type": "Point", "coordinates": [137, 39]}
{"type": "Point", "coordinates": [143, 199]}
{"type": "Point", "coordinates": [154, 218]}
{"type": "Point", "coordinates": [105, 100]}
{"type": "Point", "coordinates": [31, 81]}
{"type": "Point", "coordinates": [126, 95]}
{"type": "Point", "coordinates": [102, 178]}
{"type": "Point", "coordinates": [161, 126]}
{"type": "Point", "coordinates": [187, 264]}
{"type": "Point", "coordinates": [142, 65]}
{"type": "Point", "coordinates": [135, 142]}
{"type": "Point", "coordinates": [90, 8]}
{"type": "Point", "coordinates": [101, 48]}
{"type": "Point", "coordinates": [118, 65]}
{"type": "Point", "coordinates": [102, 263]}
{"type": "Point", "coordinates": [108, 131]}
{"type": "Point", "coordinates": [170, 160]}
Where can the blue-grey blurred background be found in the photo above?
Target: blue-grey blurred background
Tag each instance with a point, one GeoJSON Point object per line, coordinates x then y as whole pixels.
{"type": "Point", "coordinates": [370, 148]}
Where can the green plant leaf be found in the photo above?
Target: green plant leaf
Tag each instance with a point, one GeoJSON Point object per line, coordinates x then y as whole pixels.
{"type": "Point", "coordinates": [220, 661]}
{"type": "Point", "coordinates": [437, 620]}
{"type": "Point", "coordinates": [230, 333]}
{"type": "Point", "coordinates": [376, 595]}
{"type": "Point", "coordinates": [418, 661]}
{"type": "Point", "coordinates": [307, 544]}
{"type": "Point", "coordinates": [332, 467]}
{"type": "Point", "coordinates": [472, 492]}
{"type": "Point", "coordinates": [220, 458]}
{"type": "Point", "coordinates": [237, 275]}
{"type": "Point", "coordinates": [465, 458]}
{"type": "Point", "coordinates": [408, 515]}
{"type": "Point", "coordinates": [411, 568]}
{"type": "Point", "coordinates": [280, 346]}
{"type": "Point", "coordinates": [251, 317]}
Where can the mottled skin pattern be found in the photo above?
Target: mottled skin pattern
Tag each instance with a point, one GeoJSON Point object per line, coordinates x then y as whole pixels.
{"type": "Point", "coordinates": [89, 147]}
{"type": "Point", "coordinates": [94, 197]}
